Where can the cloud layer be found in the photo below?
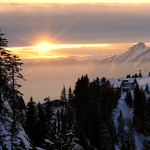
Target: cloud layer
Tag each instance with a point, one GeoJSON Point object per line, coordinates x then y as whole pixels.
{"type": "Point", "coordinates": [24, 25]}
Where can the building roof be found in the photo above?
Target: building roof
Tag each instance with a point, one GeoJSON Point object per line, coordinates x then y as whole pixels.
{"type": "Point", "coordinates": [128, 80]}
{"type": "Point", "coordinates": [116, 82]}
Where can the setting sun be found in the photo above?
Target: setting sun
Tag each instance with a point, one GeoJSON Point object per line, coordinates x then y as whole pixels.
{"type": "Point", "coordinates": [43, 47]}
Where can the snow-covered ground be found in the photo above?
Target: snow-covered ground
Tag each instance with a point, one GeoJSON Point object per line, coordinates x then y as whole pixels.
{"type": "Point", "coordinates": [128, 113]}
{"type": "Point", "coordinates": [20, 138]}
{"type": "Point", "coordinates": [143, 81]}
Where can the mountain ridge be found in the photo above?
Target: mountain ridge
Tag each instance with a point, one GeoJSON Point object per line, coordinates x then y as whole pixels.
{"type": "Point", "coordinates": [136, 58]}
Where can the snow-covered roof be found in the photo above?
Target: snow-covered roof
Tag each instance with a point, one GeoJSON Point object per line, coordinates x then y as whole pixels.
{"type": "Point", "coordinates": [128, 80]}
{"type": "Point", "coordinates": [115, 82]}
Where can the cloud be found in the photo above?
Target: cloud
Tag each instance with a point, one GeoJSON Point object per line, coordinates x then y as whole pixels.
{"type": "Point", "coordinates": [25, 25]}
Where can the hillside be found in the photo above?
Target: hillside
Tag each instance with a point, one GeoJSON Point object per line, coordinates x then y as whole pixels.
{"type": "Point", "coordinates": [128, 112]}
{"type": "Point", "coordinates": [19, 139]}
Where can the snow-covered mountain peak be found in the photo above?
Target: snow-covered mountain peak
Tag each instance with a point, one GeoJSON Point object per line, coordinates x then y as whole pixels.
{"type": "Point", "coordinates": [140, 46]}
{"type": "Point", "coordinates": [134, 52]}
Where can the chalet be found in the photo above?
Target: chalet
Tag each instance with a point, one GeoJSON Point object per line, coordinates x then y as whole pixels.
{"type": "Point", "coordinates": [124, 84]}
{"type": "Point", "coordinates": [128, 84]}
{"type": "Point", "coordinates": [57, 103]}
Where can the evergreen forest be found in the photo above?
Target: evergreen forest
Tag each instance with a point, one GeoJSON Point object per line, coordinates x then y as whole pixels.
{"type": "Point", "coordinates": [84, 119]}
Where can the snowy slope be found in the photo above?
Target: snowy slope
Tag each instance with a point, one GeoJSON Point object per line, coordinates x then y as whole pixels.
{"type": "Point", "coordinates": [143, 81]}
{"type": "Point", "coordinates": [20, 139]}
{"type": "Point", "coordinates": [128, 113]}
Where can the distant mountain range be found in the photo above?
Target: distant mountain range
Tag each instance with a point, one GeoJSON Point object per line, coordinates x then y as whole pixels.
{"type": "Point", "coordinates": [135, 59]}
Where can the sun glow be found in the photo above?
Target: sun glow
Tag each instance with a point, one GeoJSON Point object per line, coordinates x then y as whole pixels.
{"type": "Point", "coordinates": [43, 47]}
{"type": "Point", "coordinates": [48, 50]}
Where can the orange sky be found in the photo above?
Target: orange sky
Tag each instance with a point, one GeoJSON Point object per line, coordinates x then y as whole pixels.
{"type": "Point", "coordinates": [77, 1]}
{"type": "Point", "coordinates": [47, 50]}
{"type": "Point", "coordinates": [77, 29]}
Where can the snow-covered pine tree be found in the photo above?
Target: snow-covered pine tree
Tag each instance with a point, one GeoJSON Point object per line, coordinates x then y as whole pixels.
{"type": "Point", "coordinates": [7, 98]}
{"type": "Point", "coordinates": [130, 137]}
{"type": "Point", "coordinates": [58, 126]}
{"type": "Point", "coordinates": [121, 132]}
{"type": "Point", "coordinates": [3, 73]}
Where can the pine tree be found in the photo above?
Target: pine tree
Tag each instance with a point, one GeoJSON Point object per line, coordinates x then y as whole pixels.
{"type": "Point", "coordinates": [140, 111]}
{"type": "Point", "coordinates": [31, 120]}
{"type": "Point", "coordinates": [41, 127]}
{"type": "Point", "coordinates": [49, 113]}
{"type": "Point", "coordinates": [9, 71]}
{"type": "Point", "coordinates": [146, 144]}
{"type": "Point", "coordinates": [147, 89]}
{"type": "Point", "coordinates": [3, 72]}
{"type": "Point", "coordinates": [58, 127]}
{"type": "Point", "coordinates": [121, 132]}
{"type": "Point", "coordinates": [128, 99]}
{"type": "Point", "coordinates": [140, 75]}
{"type": "Point", "coordinates": [69, 109]}
{"type": "Point", "coordinates": [5, 89]}
{"type": "Point", "coordinates": [128, 76]}
{"type": "Point", "coordinates": [63, 118]}
{"type": "Point", "coordinates": [130, 137]}
{"type": "Point", "coordinates": [82, 106]}
{"type": "Point", "coordinates": [148, 115]}
{"type": "Point", "coordinates": [112, 134]}
{"type": "Point", "coordinates": [63, 94]}
{"type": "Point", "coordinates": [105, 85]}
{"type": "Point", "coordinates": [13, 65]}
{"type": "Point", "coordinates": [70, 95]}
{"type": "Point", "coordinates": [135, 76]}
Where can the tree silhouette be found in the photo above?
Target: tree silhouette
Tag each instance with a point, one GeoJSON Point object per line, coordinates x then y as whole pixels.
{"type": "Point", "coordinates": [128, 99]}
{"type": "Point", "coordinates": [3, 72]}
{"type": "Point", "coordinates": [31, 120]}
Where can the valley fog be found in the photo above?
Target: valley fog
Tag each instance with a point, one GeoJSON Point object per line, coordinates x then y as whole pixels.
{"type": "Point", "coordinates": [43, 81]}
{"type": "Point", "coordinates": [46, 77]}
{"type": "Point", "coordinates": [48, 80]}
